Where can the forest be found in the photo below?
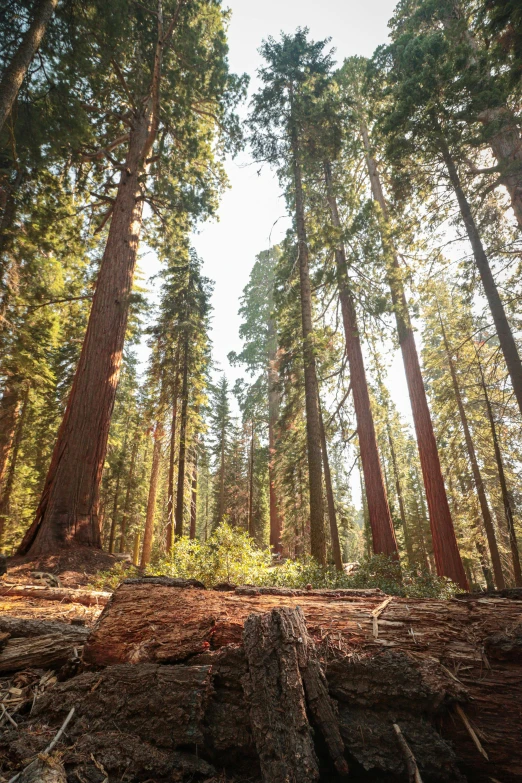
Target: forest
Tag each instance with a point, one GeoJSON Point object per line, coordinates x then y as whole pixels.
{"type": "Point", "coordinates": [127, 454]}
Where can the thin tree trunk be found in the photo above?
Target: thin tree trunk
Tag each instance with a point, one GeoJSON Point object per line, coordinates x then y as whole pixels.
{"type": "Point", "coordinates": [180, 493]}
{"type": "Point", "coordinates": [503, 484]}
{"type": "Point", "coordinates": [172, 460]}
{"type": "Point", "coordinates": [504, 332]}
{"type": "Point", "coordinates": [130, 479]}
{"type": "Point", "coordinates": [400, 497]}
{"type": "Point", "coordinates": [9, 412]}
{"type": "Point", "coordinates": [17, 68]}
{"type": "Point", "coordinates": [313, 430]}
{"type": "Point", "coordinates": [194, 495]}
{"type": "Point", "coordinates": [276, 522]}
{"type": "Point", "coordinates": [251, 529]}
{"type": "Point", "coordinates": [151, 502]}
{"type": "Point", "coordinates": [477, 477]}
{"type": "Point", "coordinates": [446, 551]}
{"type": "Point", "coordinates": [221, 496]}
{"type": "Point", "coordinates": [332, 515]}
{"type": "Point", "coordinates": [6, 238]}
{"type": "Point", "coordinates": [506, 143]}
{"type": "Point", "coordinates": [366, 517]}
{"type": "Point", "coordinates": [6, 488]}
{"type": "Point", "coordinates": [381, 523]}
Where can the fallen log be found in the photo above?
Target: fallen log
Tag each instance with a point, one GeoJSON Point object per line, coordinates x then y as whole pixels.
{"type": "Point", "coordinates": [408, 663]}
{"type": "Point", "coordinates": [18, 627]}
{"type": "Point", "coordinates": [47, 651]}
{"type": "Point", "coordinates": [61, 594]}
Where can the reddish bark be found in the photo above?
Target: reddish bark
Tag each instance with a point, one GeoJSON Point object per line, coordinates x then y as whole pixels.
{"type": "Point", "coordinates": [180, 493]}
{"type": "Point", "coordinates": [332, 514]}
{"type": "Point", "coordinates": [9, 412]}
{"type": "Point", "coordinates": [6, 487]}
{"type": "Point", "coordinates": [172, 459]}
{"type": "Point", "coordinates": [313, 430]}
{"type": "Point", "coordinates": [276, 521]}
{"type": "Point", "coordinates": [445, 548]}
{"type": "Point", "coordinates": [381, 523]}
{"type": "Point", "coordinates": [251, 529]}
{"type": "Point", "coordinates": [194, 496]}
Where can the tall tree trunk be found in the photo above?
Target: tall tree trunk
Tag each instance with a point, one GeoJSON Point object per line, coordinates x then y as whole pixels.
{"type": "Point", "coordinates": [114, 518]}
{"type": "Point", "coordinates": [276, 522]}
{"type": "Point", "coordinates": [502, 479]}
{"type": "Point", "coordinates": [7, 233]}
{"type": "Point", "coordinates": [130, 480]}
{"type": "Point", "coordinates": [67, 514]}
{"type": "Point", "coordinates": [9, 412]}
{"type": "Point", "coordinates": [151, 501]}
{"type": "Point", "coordinates": [477, 476]}
{"type": "Point", "coordinates": [251, 529]}
{"type": "Point", "coordinates": [383, 534]}
{"type": "Point", "coordinates": [172, 460]}
{"type": "Point", "coordinates": [194, 494]}
{"type": "Point", "coordinates": [400, 496]}
{"type": "Point", "coordinates": [332, 514]}
{"type": "Point", "coordinates": [505, 141]}
{"type": "Point", "coordinates": [367, 532]}
{"type": "Point", "coordinates": [6, 488]}
{"type": "Point", "coordinates": [445, 548]}
{"type": "Point", "coordinates": [180, 493]}
{"type": "Point", "coordinates": [504, 332]}
{"type": "Point", "coordinates": [313, 429]}
{"type": "Point", "coordinates": [16, 70]}
{"type": "Point", "coordinates": [221, 494]}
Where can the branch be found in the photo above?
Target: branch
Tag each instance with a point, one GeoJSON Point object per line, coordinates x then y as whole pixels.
{"type": "Point", "coordinates": [123, 82]}
{"type": "Point", "coordinates": [59, 301]}
{"type": "Point", "coordinates": [173, 23]}
{"type": "Point", "coordinates": [104, 219]}
{"type": "Point", "coordinates": [99, 154]}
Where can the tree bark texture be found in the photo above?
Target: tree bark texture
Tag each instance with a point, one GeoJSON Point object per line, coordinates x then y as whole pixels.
{"type": "Point", "coordinates": [16, 70]}
{"type": "Point", "coordinates": [383, 534]}
{"type": "Point", "coordinates": [67, 514]}
{"type": "Point", "coordinates": [477, 476]}
{"type": "Point", "coordinates": [51, 650]}
{"type": "Point", "coordinates": [251, 529]}
{"type": "Point", "coordinates": [85, 597]}
{"type": "Point", "coordinates": [445, 548]}
{"type": "Point", "coordinates": [504, 332]}
{"type": "Point", "coordinates": [332, 514]}
{"type": "Point", "coordinates": [180, 492]}
{"type": "Point", "coordinates": [313, 431]}
{"type": "Point", "coordinates": [284, 677]}
{"type": "Point", "coordinates": [151, 501]}
{"type": "Point", "coordinates": [408, 661]}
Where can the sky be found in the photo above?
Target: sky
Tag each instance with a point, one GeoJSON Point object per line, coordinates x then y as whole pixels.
{"type": "Point", "coordinates": [252, 215]}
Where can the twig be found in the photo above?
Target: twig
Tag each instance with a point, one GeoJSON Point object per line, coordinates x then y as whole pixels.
{"type": "Point", "coordinates": [471, 731]}
{"type": "Point", "coordinates": [376, 613]}
{"type": "Point", "coordinates": [409, 758]}
{"type": "Point", "coordinates": [5, 714]}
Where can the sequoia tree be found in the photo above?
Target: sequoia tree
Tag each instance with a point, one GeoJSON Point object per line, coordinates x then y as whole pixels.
{"type": "Point", "coordinates": [177, 59]}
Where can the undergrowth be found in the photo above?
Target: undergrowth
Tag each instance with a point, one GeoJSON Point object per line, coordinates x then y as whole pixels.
{"type": "Point", "coordinates": [231, 556]}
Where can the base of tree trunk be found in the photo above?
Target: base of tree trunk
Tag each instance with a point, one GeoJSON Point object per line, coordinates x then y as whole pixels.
{"type": "Point", "coordinates": [185, 684]}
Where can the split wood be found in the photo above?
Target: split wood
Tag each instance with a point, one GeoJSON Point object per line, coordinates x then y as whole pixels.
{"type": "Point", "coordinates": [376, 613]}
{"type": "Point", "coordinates": [471, 731]}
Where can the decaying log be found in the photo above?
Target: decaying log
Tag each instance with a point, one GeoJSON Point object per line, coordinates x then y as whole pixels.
{"type": "Point", "coordinates": [282, 668]}
{"type": "Point", "coordinates": [428, 656]}
{"type": "Point", "coordinates": [17, 627]}
{"type": "Point", "coordinates": [50, 650]}
{"type": "Point", "coordinates": [67, 595]}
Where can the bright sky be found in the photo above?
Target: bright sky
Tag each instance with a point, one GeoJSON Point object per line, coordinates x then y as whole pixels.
{"type": "Point", "coordinates": [253, 204]}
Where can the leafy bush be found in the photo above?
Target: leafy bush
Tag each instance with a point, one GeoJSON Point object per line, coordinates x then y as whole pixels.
{"type": "Point", "coordinates": [230, 555]}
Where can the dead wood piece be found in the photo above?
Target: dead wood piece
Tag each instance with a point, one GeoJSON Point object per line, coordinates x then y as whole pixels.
{"type": "Point", "coordinates": [274, 690]}
{"type": "Point", "coordinates": [376, 613]}
{"type": "Point", "coordinates": [40, 652]}
{"type": "Point", "coordinates": [471, 731]}
{"type": "Point", "coordinates": [85, 597]}
{"type": "Point", "coordinates": [409, 758]}
{"type": "Point", "coordinates": [4, 637]}
{"type": "Point", "coordinates": [165, 581]}
{"type": "Point", "coordinates": [164, 705]}
{"type": "Point", "coordinates": [18, 627]}
{"type": "Point", "coordinates": [42, 770]}
{"type": "Point", "coordinates": [281, 660]}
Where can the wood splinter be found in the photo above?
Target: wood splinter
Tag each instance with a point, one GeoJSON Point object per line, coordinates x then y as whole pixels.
{"type": "Point", "coordinates": [376, 613]}
{"type": "Point", "coordinates": [471, 731]}
{"type": "Point", "coordinates": [409, 759]}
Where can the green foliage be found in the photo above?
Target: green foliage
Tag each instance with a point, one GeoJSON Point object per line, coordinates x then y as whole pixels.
{"type": "Point", "coordinates": [231, 556]}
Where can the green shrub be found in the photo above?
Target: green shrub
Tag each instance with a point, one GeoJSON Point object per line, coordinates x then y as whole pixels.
{"type": "Point", "coordinates": [230, 555]}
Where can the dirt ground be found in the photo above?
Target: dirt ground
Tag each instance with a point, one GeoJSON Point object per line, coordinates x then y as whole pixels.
{"type": "Point", "coordinates": [75, 568]}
